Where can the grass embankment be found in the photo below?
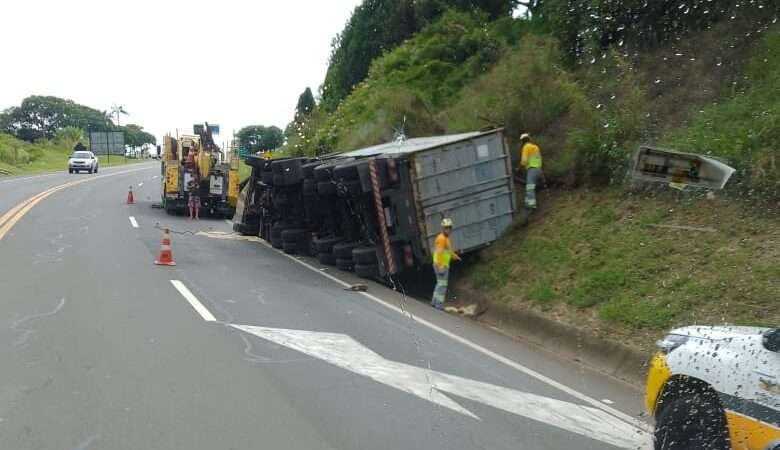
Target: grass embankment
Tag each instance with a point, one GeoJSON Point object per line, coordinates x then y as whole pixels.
{"type": "Point", "coordinates": [616, 262]}
{"type": "Point", "coordinates": [18, 157]}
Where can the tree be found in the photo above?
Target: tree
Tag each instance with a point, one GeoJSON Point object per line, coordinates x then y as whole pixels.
{"type": "Point", "coordinates": [135, 136]}
{"type": "Point", "coordinates": [377, 26]}
{"type": "Point", "coordinates": [305, 103]}
{"type": "Point", "coordinates": [258, 137]}
{"type": "Point", "coordinates": [40, 117]}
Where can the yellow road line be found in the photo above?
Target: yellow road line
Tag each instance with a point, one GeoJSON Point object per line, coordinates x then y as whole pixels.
{"type": "Point", "coordinates": [15, 214]}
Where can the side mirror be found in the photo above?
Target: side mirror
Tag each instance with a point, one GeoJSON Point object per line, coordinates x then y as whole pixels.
{"type": "Point", "coordinates": [772, 340]}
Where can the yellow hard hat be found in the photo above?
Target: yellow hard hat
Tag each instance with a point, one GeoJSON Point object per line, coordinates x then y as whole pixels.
{"type": "Point", "coordinates": [446, 222]}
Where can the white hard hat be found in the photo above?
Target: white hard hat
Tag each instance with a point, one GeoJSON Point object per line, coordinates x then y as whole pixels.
{"type": "Point", "coordinates": [446, 222]}
{"type": "Point", "coordinates": [525, 136]}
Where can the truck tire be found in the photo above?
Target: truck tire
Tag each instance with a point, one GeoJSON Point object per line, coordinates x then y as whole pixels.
{"type": "Point", "coordinates": [325, 245]}
{"type": "Point", "coordinates": [345, 264]}
{"type": "Point", "coordinates": [367, 270]}
{"type": "Point", "coordinates": [289, 247]}
{"type": "Point", "coordinates": [364, 255]}
{"type": "Point", "coordinates": [348, 188]}
{"type": "Point", "coordinates": [326, 258]}
{"type": "Point", "coordinates": [343, 250]}
{"type": "Point", "coordinates": [309, 187]}
{"type": "Point", "coordinates": [692, 421]}
{"type": "Point", "coordinates": [326, 188]}
{"type": "Point", "coordinates": [279, 227]}
{"type": "Point", "coordinates": [292, 235]}
{"type": "Point", "coordinates": [305, 245]}
{"type": "Point", "coordinates": [277, 242]}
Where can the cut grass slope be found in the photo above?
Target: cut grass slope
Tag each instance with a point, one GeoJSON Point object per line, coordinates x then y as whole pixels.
{"type": "Point", "coordinates": [608, 261]}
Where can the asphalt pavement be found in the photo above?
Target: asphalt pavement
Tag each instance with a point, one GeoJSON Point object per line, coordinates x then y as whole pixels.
{"type": "Point", "coordinates": [241, 347]}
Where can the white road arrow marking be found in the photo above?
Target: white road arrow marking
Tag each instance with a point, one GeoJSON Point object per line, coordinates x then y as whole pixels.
{"type": "Point", "coordinates": [343, 351]}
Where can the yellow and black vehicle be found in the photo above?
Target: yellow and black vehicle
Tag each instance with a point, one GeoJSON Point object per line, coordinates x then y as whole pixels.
{"type": "Point", "coordinates": [716, 388]}
{"type": "Point", "coordinates": [218, 186]}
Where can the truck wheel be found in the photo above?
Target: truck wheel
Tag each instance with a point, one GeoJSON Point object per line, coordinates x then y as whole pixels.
{"type": "Point", "coordinates": [289, 247]}
{"type": "Point", "coordinates": [309, 187]}
{"type": "Point", "coordinates": [693, 421]}
{"type": "Point", "coordinates": [367, 270]}
{"type": "Point", "coordinates": [345, 264]}
{"type": "Point", "coordinates": [343, 250]}
{"type": "Point", "coordinates": [364, 255]}
{"type": "Point", "coordinates": [326, 188]}
{"type": "Point", "coordinates": [305, 245]}
{"type": "Point", "coordinates": [292, 236]}
{"type": "Point", "coordinates": [348, 188]}
{"type": "Point", "coordinates": [325, 245]}
{"type": "Point", "coordinates": [326, 258]}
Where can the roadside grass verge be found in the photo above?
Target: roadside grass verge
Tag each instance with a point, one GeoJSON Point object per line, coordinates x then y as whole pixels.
{"type": "Point", "coordinates": [609, 262]}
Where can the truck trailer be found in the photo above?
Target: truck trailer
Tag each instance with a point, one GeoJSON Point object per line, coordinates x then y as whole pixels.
{"type": "Point", "coordinates": [377, 210]}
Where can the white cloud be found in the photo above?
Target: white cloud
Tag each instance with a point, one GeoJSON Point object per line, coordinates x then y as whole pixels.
{"type": "Point", "coordinates": [172, 63]}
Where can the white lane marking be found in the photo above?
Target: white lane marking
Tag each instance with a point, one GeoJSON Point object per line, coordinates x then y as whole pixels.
{"type": "Point", "coordinates": [155, 177]}
{"type": "Point", "coordinates": [196, 304]}
{"type": "Point", "coordinates": [476, 347]}
{"type": "Point", "coordinates": [133, 222]}
{"type": "Point", "coordinates": [140, 184]}
{"type": "Point", "coordinates": [343, 351]}
{"type": "Point", "coordinates": [607, 401]}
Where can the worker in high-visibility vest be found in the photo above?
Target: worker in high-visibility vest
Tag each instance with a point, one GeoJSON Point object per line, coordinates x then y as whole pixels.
{"type": "Point", "coordinates": [531, 162]}
{"type": "Point", "coordinates": [442, 254]}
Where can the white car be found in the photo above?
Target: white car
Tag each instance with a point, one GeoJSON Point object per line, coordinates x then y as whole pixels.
{"type": "Point", "coordinates": [716, 388]}
{"type": "Point", "coordinates": [82, 161]}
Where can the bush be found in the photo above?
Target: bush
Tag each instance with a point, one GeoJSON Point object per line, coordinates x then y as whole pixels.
{"type": "Point", "coordinates": [527, 91]}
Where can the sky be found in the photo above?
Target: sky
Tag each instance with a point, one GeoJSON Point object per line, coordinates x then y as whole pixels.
{"type": "Point", "coordinates": [171, 63]}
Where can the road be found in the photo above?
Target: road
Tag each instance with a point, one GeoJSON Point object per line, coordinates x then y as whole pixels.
{"type": "Point", "coordinates": [242, 347]}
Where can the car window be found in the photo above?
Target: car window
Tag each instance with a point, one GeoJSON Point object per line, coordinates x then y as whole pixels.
{"type": "Point", "coordinates": [82, 155]}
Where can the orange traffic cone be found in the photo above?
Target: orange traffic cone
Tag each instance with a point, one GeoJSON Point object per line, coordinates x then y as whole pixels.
{"type": "Point", "coordinates": [166, 254]}
{"type": "Point", "coordinates": [130, 200]}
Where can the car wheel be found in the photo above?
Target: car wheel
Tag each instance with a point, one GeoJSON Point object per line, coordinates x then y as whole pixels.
{"type": "Point", "coordinates": [70, 171]}
{"type": "Point", "coordinates": [96, 169]}
{"type": "Point", "coordinates": [89, 170]}
{"type": "Point", "coordinates": [694, 421]}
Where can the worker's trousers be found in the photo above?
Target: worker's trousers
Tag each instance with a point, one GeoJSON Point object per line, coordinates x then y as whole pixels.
{"type": "Point", "coordinates": [532, 178]}
{"type": "Point", "coordinates": [440, 291]}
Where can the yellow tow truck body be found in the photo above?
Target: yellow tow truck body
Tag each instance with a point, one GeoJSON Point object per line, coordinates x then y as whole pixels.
{"type": "Point", "coordinates": [218, 187]}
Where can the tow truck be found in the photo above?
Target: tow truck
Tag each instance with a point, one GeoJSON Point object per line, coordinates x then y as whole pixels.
{"type": "Point", "coordinates": [219, 181]}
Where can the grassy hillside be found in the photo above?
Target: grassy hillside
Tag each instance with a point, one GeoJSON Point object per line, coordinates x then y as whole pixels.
{"type": "Point", "coordinates": [605, 255]}
{"type": "Point", "coordinates": [633, 263]}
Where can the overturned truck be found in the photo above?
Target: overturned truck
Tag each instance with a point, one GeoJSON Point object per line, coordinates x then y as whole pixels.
{"type": "Point", "coordinates": [376, 211]}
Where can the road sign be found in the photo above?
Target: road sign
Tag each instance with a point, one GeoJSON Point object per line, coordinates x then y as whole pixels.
{"type": "Point", "coordinates": [214, 128]}
{"type": "Point", "coordinates": [107, 142]}
{"type": "Point", "coordinates": [242, 152]}
{"type": "Point", "coordinates": [430, 385]}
